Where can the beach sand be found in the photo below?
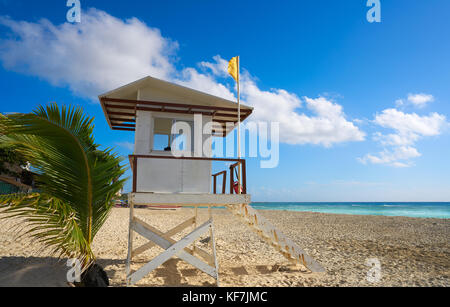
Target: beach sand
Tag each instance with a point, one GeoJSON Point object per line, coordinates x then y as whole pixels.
{"type": "Point", "coordinates": [412, 252]}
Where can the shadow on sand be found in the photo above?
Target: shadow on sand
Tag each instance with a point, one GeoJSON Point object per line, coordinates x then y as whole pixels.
{"type": "Point", "coordinates": [52, 272]}
{"type": "Point", "coordinates": [39, 272]}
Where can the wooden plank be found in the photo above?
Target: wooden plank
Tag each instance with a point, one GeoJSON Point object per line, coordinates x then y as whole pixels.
{"type": "Point", "coordinates": [134, 166]}
{"type": "Point", "coordinates": [171, 232]}
{"type": "Point", "coordinates": [190, 200]}
{"type": "Point", "coordinates": [205, 255]}
{"type": "Point", "coordinates": [172, 250]}
{"type": "Point", "coordinates": [170, 157]}
{"type": "Point", "coordinates": [278, 240]}
{"type": "Point", "coordinates": [142, 249]}
{"type": "Point", "coordinates": [126, 120]}
{"type": "Point", "coordinates": [181, 227]}
{"type": "Point", "coordinates": [211, 234]}
{"type": "Point", "coordinates": [122, 125]}
{"type": "Point", "coordinates": [166, 235]}
{"type": "Point", "coordinates": [216, 263]}
{"type": "Point", "coordinates": [130, 241]}
{"type": "Point", "coordinates": [164, 243]}
{"type": "Point", "coordinates": [132, 115]}
{"type": "Point", "coordinates": [122, 129]}
{"type": "Point", "coordinates": [169, 104]}
{"type": "Point", "coordinates": [233, 116]}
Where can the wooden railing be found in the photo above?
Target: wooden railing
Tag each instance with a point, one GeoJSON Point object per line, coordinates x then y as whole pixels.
{"type": "Point", "coordinates": [243, 183]}
{"type": "Point", "coordinates": [224, 182]}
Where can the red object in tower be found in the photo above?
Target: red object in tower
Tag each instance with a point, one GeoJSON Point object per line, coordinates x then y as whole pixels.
{"type": "Point", "coordinates": [236, 187]}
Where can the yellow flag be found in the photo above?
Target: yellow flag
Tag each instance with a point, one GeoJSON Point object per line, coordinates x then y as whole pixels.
{"type": "Point", "coordinates": [233, 69]}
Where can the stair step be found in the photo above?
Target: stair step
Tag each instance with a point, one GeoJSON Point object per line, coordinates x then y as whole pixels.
{"type": "Point", "coordinates": [272, 239]}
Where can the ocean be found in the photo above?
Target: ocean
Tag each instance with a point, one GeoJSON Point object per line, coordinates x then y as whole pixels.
{"type": "Point", "coordinates": [412, 209]}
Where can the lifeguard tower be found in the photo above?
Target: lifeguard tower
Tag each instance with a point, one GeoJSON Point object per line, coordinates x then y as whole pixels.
{"type": "Point", "coordinates": [164, 176]}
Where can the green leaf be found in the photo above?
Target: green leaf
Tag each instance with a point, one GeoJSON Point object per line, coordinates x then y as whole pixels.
{"type": "Point", "coordinates": [76, 180]}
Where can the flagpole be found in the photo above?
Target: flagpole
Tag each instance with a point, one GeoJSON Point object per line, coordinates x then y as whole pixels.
{"type": "Point", "coordinates": [239, 117]}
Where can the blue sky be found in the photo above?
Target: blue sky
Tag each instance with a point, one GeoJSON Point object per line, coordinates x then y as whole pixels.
{"type": "Point", "coordinates": [382, 88]}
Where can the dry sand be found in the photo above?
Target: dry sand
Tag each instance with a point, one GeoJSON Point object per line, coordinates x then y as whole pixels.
{"type": "Point", "coordinates": [412, 252]}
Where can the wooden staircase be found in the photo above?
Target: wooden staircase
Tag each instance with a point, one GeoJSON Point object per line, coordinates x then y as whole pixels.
{"type": "Point", "coordinates": [274, 237]}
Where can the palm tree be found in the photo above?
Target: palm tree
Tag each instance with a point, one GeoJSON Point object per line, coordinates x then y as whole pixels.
{"type": "Point", "coordinates": [76, 181]}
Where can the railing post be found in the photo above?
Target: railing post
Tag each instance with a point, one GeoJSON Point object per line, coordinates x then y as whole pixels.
{"type": "Point", "coordinates": [224, 184]}
{"type": "Point", "coordinates": [134, 174]}
{"type": "Point", "coordinates": [244, 177]}
{"type": "Point", "coordinates": [231, 180]}
{"type": "Point", "coordinates": [215, 184]}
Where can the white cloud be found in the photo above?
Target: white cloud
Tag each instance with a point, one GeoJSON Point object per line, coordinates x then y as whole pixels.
{"type": "Point", "coordinates": [326, 126]}
{"type": "Point", "coordinates": [408, 129]}
{"type": "Point", "coordinates": [104, 52]}
{"type": "Point", "coordinates": [395, 139]}
{"type": "Point", "coordinates": [398, 157]}
{"type": "Point", "coordinates": [126, 145]}
{"type": "Point", "coordinates": [94, 56]}
{"type": "Point", "coordinates": [399, 103]}
{"type": "Point", "coordinates": [420, 100]}
{"type": "Point", "coordinates": [405, 123]}
{"type": "Point", "coordinates": [417, 100]}
{"type": "Point", "coordinates": [218, 68]}
{"type": "Point", "coordinates": [204, 82]}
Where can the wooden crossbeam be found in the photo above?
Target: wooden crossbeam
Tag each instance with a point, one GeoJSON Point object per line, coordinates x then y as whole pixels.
{"type": "Point", "coordinates": [167, 235]}
{"type": "Point", "coordinates": [176, 249]}
{"type": "Point", "coordinates": [202, 253]}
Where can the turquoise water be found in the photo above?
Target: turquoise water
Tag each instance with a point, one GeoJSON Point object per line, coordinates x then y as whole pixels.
{"type": "Point", "coordinates": [420, 210]}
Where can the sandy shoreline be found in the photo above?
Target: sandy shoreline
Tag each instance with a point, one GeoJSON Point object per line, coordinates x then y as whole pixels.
{"type": "Point", "coordinates": [412, 252]}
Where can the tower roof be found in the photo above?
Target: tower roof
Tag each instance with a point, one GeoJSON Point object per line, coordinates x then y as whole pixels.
{"type": "Point", "coordinates": [155, 95]}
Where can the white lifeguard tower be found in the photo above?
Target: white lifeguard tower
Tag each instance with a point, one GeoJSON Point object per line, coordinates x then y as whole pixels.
{"type": "Point", "coordinates": [182, 177]}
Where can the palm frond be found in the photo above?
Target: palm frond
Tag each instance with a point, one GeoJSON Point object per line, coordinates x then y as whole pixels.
{"type": "Point", "coordinates": [77, 181]}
